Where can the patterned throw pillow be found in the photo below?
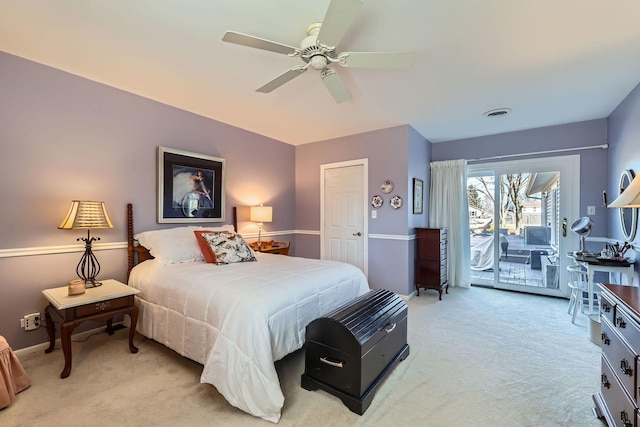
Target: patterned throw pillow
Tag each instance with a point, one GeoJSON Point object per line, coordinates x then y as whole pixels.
{"type": "Point", "coordinates": [229, 247]}
{"type": "Point", "coordinates": [204, 245]}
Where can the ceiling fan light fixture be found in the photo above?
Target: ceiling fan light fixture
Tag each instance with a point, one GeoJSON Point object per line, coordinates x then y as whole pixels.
{"type": "Point", "coordinates": [498, 112]}
{"type": "Point", "coordinates": [318, 62]}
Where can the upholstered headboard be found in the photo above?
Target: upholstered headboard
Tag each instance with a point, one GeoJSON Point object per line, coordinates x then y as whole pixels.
{"type": "Point", "coordinates": [137, 253]}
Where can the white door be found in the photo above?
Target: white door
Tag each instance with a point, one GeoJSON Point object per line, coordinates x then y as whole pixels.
{"type": "Point", "coordinates": [343, 222]}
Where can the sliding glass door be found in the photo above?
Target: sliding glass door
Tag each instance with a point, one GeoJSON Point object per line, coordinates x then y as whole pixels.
{"type": "Point", "coordinates": [516, 214]}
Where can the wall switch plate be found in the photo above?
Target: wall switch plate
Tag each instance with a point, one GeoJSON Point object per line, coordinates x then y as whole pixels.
{"type": "Point", "coordinates": [591, 210]}
{"type": "Point", "coordinates": [374, 214]}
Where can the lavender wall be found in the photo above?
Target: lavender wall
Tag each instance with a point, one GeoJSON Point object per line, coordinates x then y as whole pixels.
{"type": "Point", "coordinates": [624, 140]}
{"type": "Point", "coordinates": [419, 153]}
{"type": "Point", "coordinates": [418, 166]}
{"type": "Point", "coordinates": [66, 137]}
{"type": "Point", "coordinates": [593, 163]}
{"type": "Point", "coordinates": [390, 152]}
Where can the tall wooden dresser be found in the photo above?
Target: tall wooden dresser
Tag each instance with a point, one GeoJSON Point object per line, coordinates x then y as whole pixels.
{"type": "Point", "coordinates": [431, 260]}
{"type": "Point", "coordinates": [617, 401]}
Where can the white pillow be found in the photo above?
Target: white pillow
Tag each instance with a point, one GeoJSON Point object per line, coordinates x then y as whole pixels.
{"type": "Point", "coordinates": [175, 245]}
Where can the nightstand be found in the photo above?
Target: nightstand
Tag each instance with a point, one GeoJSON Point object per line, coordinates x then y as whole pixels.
{"type": "Point", "coordinates": [272, 247]}
{"type": "Point", "coordinates": [96, 304]}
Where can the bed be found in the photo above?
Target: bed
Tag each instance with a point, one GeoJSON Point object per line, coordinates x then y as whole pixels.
{"type": "Point", "coordinates": [235, 319]}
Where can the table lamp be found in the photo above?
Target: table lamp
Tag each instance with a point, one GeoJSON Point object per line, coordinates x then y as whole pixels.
{"type": "Point", "coordinates": [87, 215]}
{"type": "Point", "coordinates": [261, 214]}
{"type": "Point", "coordinates": [630, 197]}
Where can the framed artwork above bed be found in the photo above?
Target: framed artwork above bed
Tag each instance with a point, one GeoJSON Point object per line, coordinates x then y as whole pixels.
{"type": "Point", "coordinates": [190, 187]}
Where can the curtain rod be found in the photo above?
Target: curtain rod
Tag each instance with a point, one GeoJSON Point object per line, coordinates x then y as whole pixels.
{"type": "Point", "coordinates": [560, 150]}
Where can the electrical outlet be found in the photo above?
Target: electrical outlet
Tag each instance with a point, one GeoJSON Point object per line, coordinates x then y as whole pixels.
{"type": "Point", "coordinates": [591, 210]}
{"type": "Point", "coordinates": [30, 321]}
{"type": "Point", "coordinates": [374, 214]}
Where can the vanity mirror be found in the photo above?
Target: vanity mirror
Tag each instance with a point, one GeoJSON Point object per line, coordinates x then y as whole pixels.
{"type": "Point", "coordinates": [628, 216]}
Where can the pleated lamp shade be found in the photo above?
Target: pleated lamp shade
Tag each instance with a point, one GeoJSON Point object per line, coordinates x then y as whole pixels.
{"type": "Point", "coordinates": [86, 214]}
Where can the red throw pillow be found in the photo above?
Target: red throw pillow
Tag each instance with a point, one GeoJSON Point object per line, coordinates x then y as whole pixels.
{"type": "Point", "coordinates": [209, 256]}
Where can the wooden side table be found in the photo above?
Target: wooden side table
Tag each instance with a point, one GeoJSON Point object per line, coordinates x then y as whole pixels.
{"type": "Point", "coordinates": [272, 247]}
{"type": "Point", "coordinates": [96, 304]}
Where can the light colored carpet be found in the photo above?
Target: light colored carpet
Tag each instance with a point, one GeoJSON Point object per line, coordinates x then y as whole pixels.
{"type": "Point", "coordinates": [480, 357]}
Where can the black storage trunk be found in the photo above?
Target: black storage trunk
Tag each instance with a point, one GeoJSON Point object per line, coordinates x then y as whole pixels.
{"type": "Point", "coordinates": [352, 349]}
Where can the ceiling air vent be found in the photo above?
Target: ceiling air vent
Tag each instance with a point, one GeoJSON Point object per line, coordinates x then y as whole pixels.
{"type": "Point", "coordinates": [498, 112]}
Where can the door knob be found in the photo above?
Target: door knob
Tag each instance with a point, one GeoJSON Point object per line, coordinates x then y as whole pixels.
{"type": "Point", "coordinates": [357, 234]}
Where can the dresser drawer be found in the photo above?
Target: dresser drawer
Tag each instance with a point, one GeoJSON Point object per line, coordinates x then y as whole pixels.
{"type": "Point", "coordinates": [621, 358]}
{"type": "Point", "coordinates": [114, 304]}
{"type": "Point", "coordinates": [627, 327]}
{"type": "Point", "coordinates": [637, 392]}
{"type": "Point", "coordinates": [621, 409]}
{"type": "Point", "coordinates": [607, 308]}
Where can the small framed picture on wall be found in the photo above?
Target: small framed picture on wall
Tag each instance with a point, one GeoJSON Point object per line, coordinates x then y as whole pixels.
{"type": "Point", "coordinates": [417, 195]}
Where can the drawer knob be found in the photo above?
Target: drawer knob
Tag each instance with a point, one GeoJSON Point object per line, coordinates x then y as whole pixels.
{"type": "Point", "coordinates": [102, 306]}
{"type": "Point", "coordinates": [624, 417]}
{"type": "Point", "coordinates": [605, 339]}
{"type": "Point", "coordinates": [620, 322]}
{"type": "Point", "coordinates": [605, 381]}
{"type": "Point", "coordinates": [625, 367]}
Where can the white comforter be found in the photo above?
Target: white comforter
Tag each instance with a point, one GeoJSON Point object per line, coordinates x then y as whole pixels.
{"type": "Point", "coordinates": [237, 319]}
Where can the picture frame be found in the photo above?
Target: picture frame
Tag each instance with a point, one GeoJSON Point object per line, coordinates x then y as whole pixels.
{"type": "Point", "coordinates": [418, 195]}
{"type": "Point", "coordinates": [191, 187]}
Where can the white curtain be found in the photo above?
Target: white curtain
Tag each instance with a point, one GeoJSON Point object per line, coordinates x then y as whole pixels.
{"type": "Point", "coordinates": [448, 208]}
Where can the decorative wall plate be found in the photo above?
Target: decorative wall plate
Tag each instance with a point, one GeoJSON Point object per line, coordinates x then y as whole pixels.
{"type": "Point", "coordinates": [396, 202]}
{"type": "Point", "coordinates": [387, 186]}
{"type": "Point", "coordinates": [376, 201]}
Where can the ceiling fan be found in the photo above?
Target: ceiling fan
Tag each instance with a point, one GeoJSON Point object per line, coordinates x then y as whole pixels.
{"type": "Point", "coordinates": [318, 51]}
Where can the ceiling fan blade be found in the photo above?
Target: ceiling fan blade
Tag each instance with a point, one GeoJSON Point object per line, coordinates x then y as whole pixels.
{"type": "Point", "coordinates": [376, 59]}
{"type": "Point", "coordinates": [335, 85]}
{"type": "Point", "coordinates": [337, 21]}
{"type": "Point", "coordinates": [258, 43]}
{"type": "Point", "coordinates": [282, 79]}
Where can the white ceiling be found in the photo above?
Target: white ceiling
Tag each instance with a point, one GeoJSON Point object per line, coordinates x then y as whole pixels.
{"type": "Point", "coordinates": [550, 61]}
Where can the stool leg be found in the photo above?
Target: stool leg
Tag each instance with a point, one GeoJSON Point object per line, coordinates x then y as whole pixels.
{"type": "Point", "coordinates": [572, 302]}
{"type": "Point", "coordinates": [577, 307]}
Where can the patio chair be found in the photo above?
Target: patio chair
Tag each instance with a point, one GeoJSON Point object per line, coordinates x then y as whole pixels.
{"type": "Point", "coordinates": [578, 284]}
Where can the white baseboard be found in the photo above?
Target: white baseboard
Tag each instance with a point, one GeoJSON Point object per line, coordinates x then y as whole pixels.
{"type": "Point", "coordinates": [43, 346]}
{"type": "Point", "coordinates": [406, 298]}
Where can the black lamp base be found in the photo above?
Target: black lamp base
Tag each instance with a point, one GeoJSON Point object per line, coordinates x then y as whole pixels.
{"type": "Point", "coordinates": [88, 267]}
{"type": "Point", "coordinates": [92, 283]}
